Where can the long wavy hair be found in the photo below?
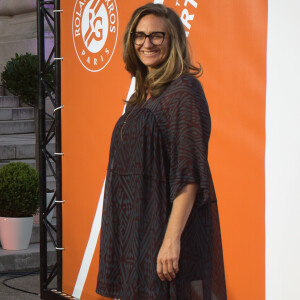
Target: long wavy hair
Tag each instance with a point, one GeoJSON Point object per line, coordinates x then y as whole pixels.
{"type": "Point", "coordinates": [177, 63]}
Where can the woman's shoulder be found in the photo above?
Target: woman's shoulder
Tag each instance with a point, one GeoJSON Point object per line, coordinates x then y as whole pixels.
{"type": "Point", "coordinates": [186, 84]}
{"type": "Point", "coordinates": [186, 78]}
{"type": "Point", "coordinates": [184, 96]}
{"type": "Point", "coordinates": [183, 86]}
{"type": "Point", "coordinates": [184, 91]}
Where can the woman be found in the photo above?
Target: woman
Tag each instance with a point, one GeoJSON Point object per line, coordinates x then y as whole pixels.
{"type": "Point", "coordinates": [160, 235]}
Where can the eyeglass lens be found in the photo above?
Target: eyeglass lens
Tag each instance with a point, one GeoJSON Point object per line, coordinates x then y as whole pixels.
{"type": "Point", "coordinates": [156, 38]}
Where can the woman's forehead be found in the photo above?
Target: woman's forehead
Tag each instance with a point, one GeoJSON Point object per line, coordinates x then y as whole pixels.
{"type": "Point", "coordinates": [150, 23]}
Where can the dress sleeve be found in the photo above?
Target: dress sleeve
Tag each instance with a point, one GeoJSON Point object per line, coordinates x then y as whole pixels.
{"type": "Point", "coordinates": [188, 136]}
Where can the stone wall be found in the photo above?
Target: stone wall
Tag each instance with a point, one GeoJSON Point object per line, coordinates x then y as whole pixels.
{"type": "Point", "coordinates": [18, 29]}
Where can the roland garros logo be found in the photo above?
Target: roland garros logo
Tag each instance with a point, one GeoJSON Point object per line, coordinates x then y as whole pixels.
{"type": "Point", "coordinates": [95, 32]}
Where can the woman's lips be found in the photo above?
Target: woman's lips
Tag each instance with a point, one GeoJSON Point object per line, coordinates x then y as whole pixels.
{"type": "Point", "coordinates": [149, 53]}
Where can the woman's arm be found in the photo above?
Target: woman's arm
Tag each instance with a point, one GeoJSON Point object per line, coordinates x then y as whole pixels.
{"type": "Point", "coordinates": [168, 255]}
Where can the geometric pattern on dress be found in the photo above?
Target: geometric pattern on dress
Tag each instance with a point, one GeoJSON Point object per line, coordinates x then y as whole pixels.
{"type": "Point", "coordinates": [164, 146]}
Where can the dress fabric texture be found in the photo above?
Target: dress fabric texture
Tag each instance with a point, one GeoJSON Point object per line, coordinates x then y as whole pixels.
{"type": "Point", "coordinates": [164, 146]}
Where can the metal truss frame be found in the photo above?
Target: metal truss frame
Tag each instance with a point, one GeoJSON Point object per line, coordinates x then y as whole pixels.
{"type": "Point", "coordinates": [48, 12]}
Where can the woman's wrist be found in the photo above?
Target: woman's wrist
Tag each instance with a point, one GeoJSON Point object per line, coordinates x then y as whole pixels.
{"type": "Point", "coordinates": [172, 235]}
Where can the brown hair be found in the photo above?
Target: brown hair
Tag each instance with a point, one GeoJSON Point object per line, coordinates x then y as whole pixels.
{"type": "Point", "coordinates": [177, 63]}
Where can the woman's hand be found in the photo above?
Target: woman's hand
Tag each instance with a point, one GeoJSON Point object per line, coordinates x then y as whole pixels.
{"type": "Point", "coordinates": [168, 255]}
{"type": "Point", "coordinates": [167, 259]}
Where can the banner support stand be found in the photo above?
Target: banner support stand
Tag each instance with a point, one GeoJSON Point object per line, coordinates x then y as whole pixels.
{"type": "Point", "coordinates": [49, 83]}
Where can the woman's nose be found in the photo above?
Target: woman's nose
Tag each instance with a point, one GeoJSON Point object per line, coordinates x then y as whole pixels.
{"type": "Point", "coordinates": [148, 43]}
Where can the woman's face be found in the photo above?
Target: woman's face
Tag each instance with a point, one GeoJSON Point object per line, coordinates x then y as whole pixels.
{"type": "Point", "coordinates": [151, 55]}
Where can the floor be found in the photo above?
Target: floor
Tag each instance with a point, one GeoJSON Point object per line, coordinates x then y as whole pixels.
{"type": "Point", "coordinates": [29, 283]}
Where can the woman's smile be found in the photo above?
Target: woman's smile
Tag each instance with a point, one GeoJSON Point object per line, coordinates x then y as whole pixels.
{"type": "Point", "coordinates": [149, 52]}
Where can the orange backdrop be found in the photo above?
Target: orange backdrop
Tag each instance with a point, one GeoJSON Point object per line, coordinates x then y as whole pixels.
{"type": "Point", "coordinates": [228, 38]}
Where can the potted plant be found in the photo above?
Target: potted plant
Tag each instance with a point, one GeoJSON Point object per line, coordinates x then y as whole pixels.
{"type": "Point", "coordinates": [19, 188]}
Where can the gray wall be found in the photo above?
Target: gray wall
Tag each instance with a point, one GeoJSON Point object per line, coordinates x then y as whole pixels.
{"type": "Point", "coordinates": [18, 29]}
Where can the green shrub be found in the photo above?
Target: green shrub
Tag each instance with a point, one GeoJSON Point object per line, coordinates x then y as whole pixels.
{"type": "Point", "coordinates": [19, 189]}
{"type": "Point", "coordinates": [20, 77]}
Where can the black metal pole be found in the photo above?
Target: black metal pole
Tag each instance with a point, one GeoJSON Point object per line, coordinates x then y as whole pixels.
{"type": "Point", "coordinates": [58, 144]}
{"type": "Point", "coordinates": [42, 161]}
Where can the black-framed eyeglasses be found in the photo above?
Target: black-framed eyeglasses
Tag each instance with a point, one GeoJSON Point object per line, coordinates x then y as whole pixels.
{"type": "Point", "coordinates": [156, 37]}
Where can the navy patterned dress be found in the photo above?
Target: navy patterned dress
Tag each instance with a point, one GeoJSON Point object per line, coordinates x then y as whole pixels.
{"type": "Point", "coordinates": [162, 147]}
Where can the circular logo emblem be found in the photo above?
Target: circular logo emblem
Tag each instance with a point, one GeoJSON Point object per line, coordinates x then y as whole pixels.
{"type": "Point", "coordinates": [95, 32]}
